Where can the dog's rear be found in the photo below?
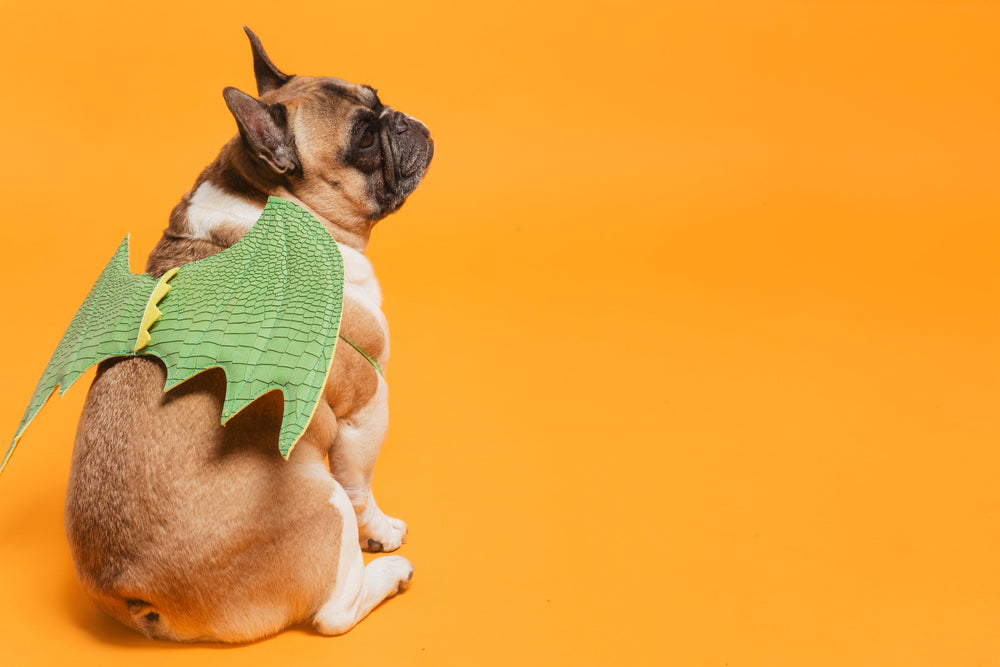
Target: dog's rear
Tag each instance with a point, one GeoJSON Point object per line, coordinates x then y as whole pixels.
{"type": "Point", "coordinates": [184, 529]}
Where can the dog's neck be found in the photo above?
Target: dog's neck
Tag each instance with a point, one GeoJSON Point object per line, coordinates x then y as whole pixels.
{"type": "Point", "coordinates": [229, 196]}
{"type": "Point", "coordinates": [225, 202]}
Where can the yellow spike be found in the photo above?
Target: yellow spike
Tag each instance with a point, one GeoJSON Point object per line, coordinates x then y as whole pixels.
{"type": "Point", "coordinates": [152, 313]}
{"type": "Point", "coordinates": [143, 341]}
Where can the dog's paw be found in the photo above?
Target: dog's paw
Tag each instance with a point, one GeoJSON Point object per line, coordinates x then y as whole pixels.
{"type": "Point", "coordinates": [381, 533]}
{"type": "Point", "coordinates": [400, 571]}
{"type": "Point", "coordinates": [405, 583]}
{"type": "Point", "coordinates": [377, 532]}
{"type": "Point", "coordinates": [391, 575]}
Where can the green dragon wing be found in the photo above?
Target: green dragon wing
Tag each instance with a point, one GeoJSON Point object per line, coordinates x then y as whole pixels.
{"type": "Point", "coordinates": [106, 325]}
{"type": "Point", "coordinates": [266, 310]}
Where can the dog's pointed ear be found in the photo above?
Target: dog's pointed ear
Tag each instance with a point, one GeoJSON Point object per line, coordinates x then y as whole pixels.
{"type": "Point", "coordinates": [268, 76]}
{"type": "Point", "coordinates": [265, 129]}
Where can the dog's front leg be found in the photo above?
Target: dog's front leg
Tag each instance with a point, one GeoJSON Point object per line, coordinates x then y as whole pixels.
{"type": "Point", "coordinates": [359, 588]}
{"type": "Point", "coordinates": [352, 462]}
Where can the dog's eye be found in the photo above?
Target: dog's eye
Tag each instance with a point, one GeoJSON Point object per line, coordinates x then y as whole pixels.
{"type": "Point", "coordinates": [367, 139]}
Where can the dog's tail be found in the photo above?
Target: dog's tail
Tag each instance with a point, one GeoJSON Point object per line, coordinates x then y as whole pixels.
{"type": "Point", "coordinates": [145, 618]}
{"type": "Point", "coordinates": [141, 615]}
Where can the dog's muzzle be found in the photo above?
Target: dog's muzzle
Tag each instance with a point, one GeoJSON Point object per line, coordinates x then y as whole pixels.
{"type": "Point", "coordinates": [407, 150]}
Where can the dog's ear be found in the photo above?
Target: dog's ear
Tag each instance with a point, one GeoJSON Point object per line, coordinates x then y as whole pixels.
{"type": "Point", "coordinates": [268, 76]}
{"type": "Point", "coordinates": [265, 129]}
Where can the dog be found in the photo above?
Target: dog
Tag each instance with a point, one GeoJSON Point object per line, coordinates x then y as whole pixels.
{"type": "Point", "coordinates": [188, 530]}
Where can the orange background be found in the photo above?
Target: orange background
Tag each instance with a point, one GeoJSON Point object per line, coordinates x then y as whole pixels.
{"type": "Point", "coordinates": [694, 318]}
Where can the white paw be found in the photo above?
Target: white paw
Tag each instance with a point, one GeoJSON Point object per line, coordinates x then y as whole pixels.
{"type": "Point", "coordinates": [397, 570]}
{"type": "Point", "coordinates": [378, 532]}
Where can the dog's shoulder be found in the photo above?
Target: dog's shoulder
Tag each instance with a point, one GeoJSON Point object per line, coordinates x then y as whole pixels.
{"type": "Point", "coordinates": [171, 252]}
{"type": "Point", "coordinates": [178, 246]}
{"type": "Point", "coordinates": [354, 380]}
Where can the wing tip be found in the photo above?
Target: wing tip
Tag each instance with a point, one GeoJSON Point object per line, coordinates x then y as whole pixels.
{"type": "Point", "coordinates": [29, 416]}
{"type": "Point", "coordinates": [10, 452]}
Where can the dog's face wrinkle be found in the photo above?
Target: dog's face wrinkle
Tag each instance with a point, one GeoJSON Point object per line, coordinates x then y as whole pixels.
{"type": "Point", "coordinates": [384, 154]}
{"type": "Point", "coordinates": [388, 159]}
{"type": "Point", "coordinates": [330, 111]}
{"type": "Point", "coordinates": [352, 95]}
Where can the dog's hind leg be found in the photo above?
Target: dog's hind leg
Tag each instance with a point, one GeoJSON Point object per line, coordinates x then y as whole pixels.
{"type": "Point", "coordinates": [352, 462]}
{"type": "Point", "coordinates": [359, 588]}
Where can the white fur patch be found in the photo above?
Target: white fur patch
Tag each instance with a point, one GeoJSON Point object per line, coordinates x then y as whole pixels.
{"type": "Point", "coordinates": [358, 588]}
{"type": "Point", "coordinates": [341, 610]}
{"type": "Point", "coordinates": [361, 281]}
{"type": "Point", "coordinates": [211, 206]}
{"type": "Point", "coordinates": [361, 285]}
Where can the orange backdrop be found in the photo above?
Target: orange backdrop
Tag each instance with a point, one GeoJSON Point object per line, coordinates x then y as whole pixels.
{"type": "Point", "coordinates": [694, 318]}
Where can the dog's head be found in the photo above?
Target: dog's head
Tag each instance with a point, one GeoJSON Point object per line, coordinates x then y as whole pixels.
{"type": "Point", "coordinates": [330, 143]}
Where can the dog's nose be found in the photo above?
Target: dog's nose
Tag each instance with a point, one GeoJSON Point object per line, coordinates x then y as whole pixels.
{"type": "Point", "coordinates": [400, 124]}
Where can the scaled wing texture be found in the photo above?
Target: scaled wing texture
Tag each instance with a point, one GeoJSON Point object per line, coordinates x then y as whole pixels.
{"type": "Point", "coordinates": [266, 310]}
{"type": "Point", "coordinates": [105, 326]}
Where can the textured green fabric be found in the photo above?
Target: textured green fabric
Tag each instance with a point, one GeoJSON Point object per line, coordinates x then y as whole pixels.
{"type": "Point", "coordinates": [106, 325]}
{"type": "Point", "coordinates": [267, 311]}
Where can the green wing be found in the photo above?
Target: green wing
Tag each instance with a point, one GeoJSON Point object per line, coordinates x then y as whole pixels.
{"type": "Point", "coordinates": [267, 311]}
{"type": "Point", "coordinates": [105, 326]}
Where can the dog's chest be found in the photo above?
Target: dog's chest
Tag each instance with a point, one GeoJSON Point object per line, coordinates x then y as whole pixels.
{"type": "Point", "coordinates": [361, 286]}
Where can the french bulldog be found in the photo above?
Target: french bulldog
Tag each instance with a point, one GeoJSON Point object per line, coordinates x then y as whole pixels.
{"type": "Point", "coordinates": [188, 530]}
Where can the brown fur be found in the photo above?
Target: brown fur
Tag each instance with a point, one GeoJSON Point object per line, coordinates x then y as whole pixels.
{"type": "Point", "coordinates": [182, 545]}
{"type": "Point", "coordinates": [186, 529]}
{"type": "Point", "coordinates": [356, 380]}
